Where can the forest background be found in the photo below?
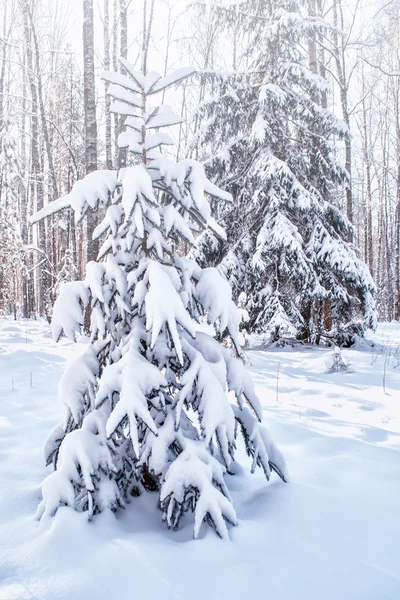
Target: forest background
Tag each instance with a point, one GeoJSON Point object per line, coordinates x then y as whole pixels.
{"type": "Point", "coordinates": [56, 126]}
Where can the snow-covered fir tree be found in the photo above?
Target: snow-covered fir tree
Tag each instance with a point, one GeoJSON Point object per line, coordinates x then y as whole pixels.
{"type": "Point", "coordinates": [270, 137]}
{"type": "Point", "coordinates": [155, 403]}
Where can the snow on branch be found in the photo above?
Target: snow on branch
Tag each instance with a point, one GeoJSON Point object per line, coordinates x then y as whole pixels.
{"type": "Point", "coordinates": [95, 187]}
{"type": "Point", "coordinates": [68, 310]}
{"type": "Point", "coordinates": [133, 379]}
{"type": "Point", "coordinates": [260, 445]}
{"type": "Point", "coordinates": [195, 482]}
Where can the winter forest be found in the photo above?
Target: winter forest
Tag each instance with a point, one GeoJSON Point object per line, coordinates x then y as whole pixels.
{"type": "Point", "coordinates": [292, 108]}
{"type": "Point", "coordinates": [199, 299]}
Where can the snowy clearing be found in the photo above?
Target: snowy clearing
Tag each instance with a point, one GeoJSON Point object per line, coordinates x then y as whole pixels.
{"type": "Point", "coordinates": [333, 532]}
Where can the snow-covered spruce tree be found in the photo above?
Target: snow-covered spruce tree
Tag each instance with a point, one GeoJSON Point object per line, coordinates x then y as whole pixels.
{"type": "Point", "coordinates": [149, 405]}
{"type": "Point", "coordinates": [270, 138]}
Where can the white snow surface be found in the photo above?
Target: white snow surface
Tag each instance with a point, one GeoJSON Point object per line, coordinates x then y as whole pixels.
{"type": "Point", "coordinates": [332, 532]}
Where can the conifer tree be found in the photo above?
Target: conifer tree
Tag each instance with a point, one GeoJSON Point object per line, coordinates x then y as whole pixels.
{"type": "Point", "coordinates": [147, 405]}
{"type": "Point", "coordinates": [271, 143]}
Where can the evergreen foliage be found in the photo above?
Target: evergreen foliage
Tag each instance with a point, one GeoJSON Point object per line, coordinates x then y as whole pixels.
{"type": "Point", "coordinates": [147, 405]}
{"type": "Point", "coordinates": [270, 138]}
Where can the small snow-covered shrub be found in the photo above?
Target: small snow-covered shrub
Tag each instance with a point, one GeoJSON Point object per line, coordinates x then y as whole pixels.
{"type": "Point", "coordinates": [336, 363]}
{"type": "Point", "coordinates": [147, 405]}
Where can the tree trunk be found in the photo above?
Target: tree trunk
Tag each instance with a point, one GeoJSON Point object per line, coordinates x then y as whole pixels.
{"type": "Point", "coordinates": [397, 213]}
{"type": "Point", "coordinates": [45, 130]}
{"type": "Point", "coordinates": [123, 24]}
{"type": "Point", "coordinates": [89, 95]}
{"type": "Point", "coordinates": [106, 35]}
{"type": "Point", "coordinates": [115, 68]}
{"type": "Point", "coordinates": [367, 160]}
{"type": "Point", "coordinates": [340, 60]}
{"type": "Point", "coordinates": [36, 178]}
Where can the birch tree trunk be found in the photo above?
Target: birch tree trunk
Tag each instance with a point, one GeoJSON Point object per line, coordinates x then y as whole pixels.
{"type": "Point", "coordinates": [123, 24]}
{"type": "Point", "coordinates": [369, 258]}
{"type": "Point", "coordinates": [45, 130]}
{"type": "Point", "coordinates": [89, 95]}
{"type": "Point", "coordinates": [106, 35]}
{"type": "Point", "coordinates": [115, 68]}
{"type": "Point", "coordinates": [397, 209]}
{"type": "Point", "coordinates": [340, 60]}
{"type": "Point", "coordinates": [36, 175]}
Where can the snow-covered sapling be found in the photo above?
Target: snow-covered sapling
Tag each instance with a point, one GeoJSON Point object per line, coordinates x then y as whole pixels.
{"type": "Point", "coordinates": [148, 406]}
{"type": "Point", "coordinates": [337, 363]}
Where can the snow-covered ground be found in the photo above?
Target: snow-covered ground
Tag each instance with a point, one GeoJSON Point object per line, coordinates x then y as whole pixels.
{"type": "Point", "coordinates": [333, 533]}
